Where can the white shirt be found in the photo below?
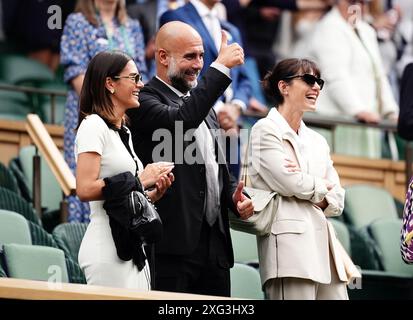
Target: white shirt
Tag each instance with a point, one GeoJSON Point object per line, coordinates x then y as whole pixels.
{"type": "Point", "coordinates": [211, 21]}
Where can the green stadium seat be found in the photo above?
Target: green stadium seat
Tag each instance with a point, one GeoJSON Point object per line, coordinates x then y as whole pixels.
{"type": "Point", "coordinates": [10, 200]}
{"type": "Point", "coordinates": [35, 263]}
{"type": "Point", "coordinates": [245, 247]}
{"type": "Point", "coordinates": [14, 105]}
{"type": "Point", "coordinates": [45, 102]}
{"type": "Point", "coordinates": [386, 233]}
{"type": "Point", "coordinates": [41, 237]}
{"type": "Point", "coordinates": [68, 237]}
{"type": "Point", "coordinates": [3, 273]}
{"type": "Point", "coordinates": [14, 228]}
{"type": "Point", "coordinates": [245, 282]}
{"type": "Point", "coordinates": [18, 69]}
{"type": "Point", "coordinates": [50, 189]}
{"type": "Point", "coordinates": [15, 168]}
{"type": "Point", "coordinates": [7, 179]}
{"type": "Point", "coordinates": [363, 249]}
{"type": "Point", "coordinates": [386, 284]}
{"type": "Point", "coordinates": [365, 204]}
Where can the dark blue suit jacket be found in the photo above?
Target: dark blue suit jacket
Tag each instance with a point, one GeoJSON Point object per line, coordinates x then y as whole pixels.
{"type": "Point", "coordinates": [188, 14]}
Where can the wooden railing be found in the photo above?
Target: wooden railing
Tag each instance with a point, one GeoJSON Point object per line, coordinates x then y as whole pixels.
{"type": "Point", "coordinates": [13, 136]}
{"type": "Point", "coordinates": [41, 290]}
{"type": "Point", "coordinates": [54, 159]}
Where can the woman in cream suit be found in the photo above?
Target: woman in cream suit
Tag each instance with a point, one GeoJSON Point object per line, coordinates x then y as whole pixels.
{"type": "Point", "coordinates": [299, 259]}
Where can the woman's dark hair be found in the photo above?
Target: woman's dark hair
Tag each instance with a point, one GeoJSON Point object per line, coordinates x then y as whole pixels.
{"type": "Point", "coordinates": [94, 97]}
{"type": "Point", "coordinates": [282, 70]}
{"type": "Point", "coordinates": [88, 9]}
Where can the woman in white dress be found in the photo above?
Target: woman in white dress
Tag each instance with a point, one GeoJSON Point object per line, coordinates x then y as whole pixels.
{"type": "Point", "coordinates": [111, 86]}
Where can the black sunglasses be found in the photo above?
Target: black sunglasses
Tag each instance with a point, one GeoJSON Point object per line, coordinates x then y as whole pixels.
{"type": "Point", "coordinates": [135, 77]}
{"type": "Point", "coordinates": [308, 79]}
{"type": "Point", "coordinates": [359, 1]}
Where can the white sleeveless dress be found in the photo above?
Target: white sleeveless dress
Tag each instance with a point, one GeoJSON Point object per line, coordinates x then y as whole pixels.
{"type": "Point", "coordinates": [97, 255]}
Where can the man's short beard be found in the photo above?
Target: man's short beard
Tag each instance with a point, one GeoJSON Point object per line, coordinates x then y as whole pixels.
{"type": "Point", "coordinates": [177, 78]}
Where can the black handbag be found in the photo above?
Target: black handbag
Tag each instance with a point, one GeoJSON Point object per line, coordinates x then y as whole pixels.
{"type": "Point", "coordinates": [145, 220]}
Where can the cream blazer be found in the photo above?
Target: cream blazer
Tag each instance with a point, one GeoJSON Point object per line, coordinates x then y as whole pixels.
{"type": "Point", "coordinates": [301, 236]}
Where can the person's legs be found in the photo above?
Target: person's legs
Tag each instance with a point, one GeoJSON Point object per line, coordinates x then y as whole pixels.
{"type": "Point", "coordinates": [214, 281]}
{"type": "Point", "coordinates": [336, 290]}
{"type": "Point", "coordinates": [290, 289]}
{"type": "Point", "coordinates": [215, 275]}
{"type": "Point", "coordinates": [181, 273]}
{"type": "Point", "coordinates": [173, 273]}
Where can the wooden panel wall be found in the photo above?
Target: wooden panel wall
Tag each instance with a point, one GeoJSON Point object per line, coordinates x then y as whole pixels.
{"type": "Point", "coordinates": [13, 136]}
{"type": "Point", "coordinates": [384, 173]}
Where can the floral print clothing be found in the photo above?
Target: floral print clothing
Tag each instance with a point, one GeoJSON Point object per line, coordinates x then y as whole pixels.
{"type": "Point", "coordinates": [80, 42]}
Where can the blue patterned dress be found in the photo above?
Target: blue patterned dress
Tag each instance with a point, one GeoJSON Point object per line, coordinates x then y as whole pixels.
{"type": "Point", "coordinates": [80, 42]}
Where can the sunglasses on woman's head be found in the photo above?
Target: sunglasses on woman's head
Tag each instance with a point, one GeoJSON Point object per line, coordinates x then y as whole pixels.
{"type": "Point", "coordinates": [308, 79]}
{"type": "Point", "coordinates": [135, 77]}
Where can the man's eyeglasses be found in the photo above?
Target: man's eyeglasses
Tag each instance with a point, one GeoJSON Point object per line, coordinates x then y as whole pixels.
{"type": "Point", "coordinates": [308, 79]}
{"type": "Point", "coordinates": [135, 77]}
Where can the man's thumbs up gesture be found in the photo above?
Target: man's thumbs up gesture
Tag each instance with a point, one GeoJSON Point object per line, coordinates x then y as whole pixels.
{"type": "Point", "coordinates": [243, 204]}
{"type": "Point", "coordinates": [230, 55]}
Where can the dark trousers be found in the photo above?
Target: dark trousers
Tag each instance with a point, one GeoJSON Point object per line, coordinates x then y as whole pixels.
{"type": "Point", "coordinates": [205, 271]}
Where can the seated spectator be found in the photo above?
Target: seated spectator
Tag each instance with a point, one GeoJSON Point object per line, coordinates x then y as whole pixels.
{"type": "Point", "coordinates": [347, 52]}
{"type": "Point", "coordinates": [26, 24]}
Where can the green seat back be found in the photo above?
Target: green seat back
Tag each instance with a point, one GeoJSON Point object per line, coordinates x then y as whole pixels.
{"type": "Point", "coordinates": [386, 234]}
{"type": "Point", "coordinates": [51, 193]}
{"type": "Point", "coordinates": [365, 203]}
{"type": "Point", "coordinates": [244, 246]}
{"type": "Point", "coordinates": [15, 168]}
{"type": "Point", "coordinates": [41, 237]}
{"type": "Point", "coordinates": [13, 202]}
{"type": "Point", "coordinates": [7, 179]}
{"type": "Point", "coordinates": [245, 282]}
{"type": "Point", "coordinates": [363, 249]}
{"type": "Point", "coordinates": [69, 236]}
{"type": "Point", "coordinates": [18, 69]}
{"type": "Point", "coordinates": [60, 102]}
{"type": "Point", "coordinates": [14, 105]}
{"type": "Point", "coordinates": [74, 271]}
{"type": "Point", "coordinates": [14, 228]}
{"type": "Point", "coordinates": [342, 233]}
{"type": "Point", "coordinates": [2, 272]}
{"type": "Point", "coordinates": [35, 263]}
